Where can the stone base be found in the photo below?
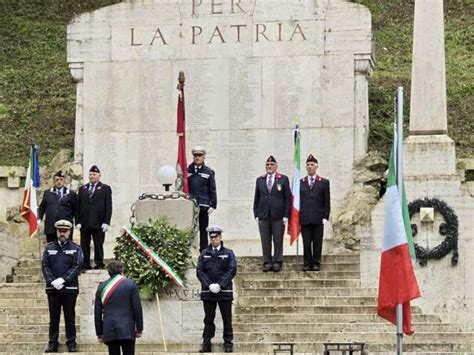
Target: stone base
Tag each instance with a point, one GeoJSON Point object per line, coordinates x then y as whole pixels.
{"type": "Point", "coordinates": [429, 155]}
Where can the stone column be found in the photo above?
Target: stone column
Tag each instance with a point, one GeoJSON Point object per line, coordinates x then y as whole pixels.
{"type": "Point", "coordinates": [363, 68]}
{"type": "Point", "coordinates": [77, 72]}
{"type": "Point", "coordinates": [428, 149]}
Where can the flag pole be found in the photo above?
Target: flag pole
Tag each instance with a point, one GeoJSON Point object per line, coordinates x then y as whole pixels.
{"type": "Point", "coordinates": [399, 165]}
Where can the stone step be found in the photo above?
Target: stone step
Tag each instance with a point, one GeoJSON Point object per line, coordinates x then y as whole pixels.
{"type": "Point", "coordinates": [16, 319]}
{"type": "Point", "coordinates": [308, 292]}
{"type": "Point", "coordinates": [291, 283]}
{"type": "Point", "coordinates": [28, 279]}
{"type": "Point", "coordinates": [285, 327]}
{"type": "Point", "coordinates": [367, 337]}
{"type": "Point", "coordinates": [34, 270]}
{"type": "Point", "coordinates": [40, 328]}
{"type": "Point", "coordinates": [305, 301]}
{"type": "Point", "coordinates": [298, 275]}
{"type": "Point", "coordinates": [332, 266]}
{"type": "Point", "coordinates": [251, 310]}
{"type": "Point", "coordinates": [12, 311]}
{"type": "Point", "coordinates": [307, 347]}
{"type": "Point", "coordinates": [324, 318]}
{"type": "Point", "coordinates": [26, 294]}
{"type": "Point", "coordinates": [40, 301]}
{"type": "Point", "coordinates": [325, 259]}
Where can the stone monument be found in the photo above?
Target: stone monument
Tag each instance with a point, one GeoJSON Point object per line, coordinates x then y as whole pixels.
{"type": "Point", "coordinates": [447, 283]}
{"type": "Point", "coordinates": [253, 70]}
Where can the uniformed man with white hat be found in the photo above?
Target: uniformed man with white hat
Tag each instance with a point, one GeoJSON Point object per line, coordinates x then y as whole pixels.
{"type": "Point", "coordinates": [202, 187]}
{"type": "Point", "coordinates": [216, 268]}
{"type": "Point", "coordinates": [61, 265]}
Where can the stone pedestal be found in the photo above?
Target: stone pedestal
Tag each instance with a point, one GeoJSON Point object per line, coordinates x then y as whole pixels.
{"type": "Point", "coordinates": [429, 155]}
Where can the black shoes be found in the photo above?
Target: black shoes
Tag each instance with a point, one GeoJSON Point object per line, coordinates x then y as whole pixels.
{"type": "Point", "coordinates": [206, 347]}
{"type": "Point", "coordinates": [99, 267]}
{"type": "Point", "coordinates": [85, 268]}
{"type": "Point", "coordinates": [267, 267]}
{"type": "Point", "coordinates": [276, 267]}
{"type": "Point", "coordinates": [228, 348]}
{"type": "Point", "coordinates": [315, 268]}
{"type": "Point", "coordinates": [72, 348]}
{"type": "Point", "coordinates": [306, 268]}
{"type": "Point", "coordinates": [52, 348]}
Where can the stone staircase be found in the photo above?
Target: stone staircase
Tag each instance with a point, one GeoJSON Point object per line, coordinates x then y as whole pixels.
{"type": "Point", "coordinates": [305, 308]}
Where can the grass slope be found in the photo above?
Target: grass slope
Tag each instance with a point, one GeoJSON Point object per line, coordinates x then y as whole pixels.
{"type": "Point", "coordinates": [37, 93]}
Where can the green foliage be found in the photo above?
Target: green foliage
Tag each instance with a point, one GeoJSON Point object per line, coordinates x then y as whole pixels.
{"type": "Point", "coordinates": [171, 244]}
{"type": "Point", "coordinates": [37, 93]}
{"type": "Point", "coordinates": [393, 32]}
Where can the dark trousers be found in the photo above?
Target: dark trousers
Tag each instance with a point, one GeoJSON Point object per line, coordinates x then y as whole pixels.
{"type": "Point", "coordinates": [210, 314]}
{"type": "Point", "coordinates": [128, 347]}
{"type": "Point", "coordinates": [203, 224]}
{"type": "Point", "coordinates": [68, 303]}
{"type": "Point", "coordinates": [271, 230]}
{"type": "Point", "coordinates": [98, 237]}
{"type": "Point", "coordinates": [312, 243]}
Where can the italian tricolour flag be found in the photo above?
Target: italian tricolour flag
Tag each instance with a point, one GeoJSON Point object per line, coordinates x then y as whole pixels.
{"type": "Point", "coordinates": [397, 284]}
{"type": "Point", "coordinates": [294, 224]}
{"type": "Point", "coordinates": [28, 205]}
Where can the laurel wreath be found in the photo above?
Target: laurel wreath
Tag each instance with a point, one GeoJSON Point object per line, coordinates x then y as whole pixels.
{"type": "Point", "coordinates": [449, 229]}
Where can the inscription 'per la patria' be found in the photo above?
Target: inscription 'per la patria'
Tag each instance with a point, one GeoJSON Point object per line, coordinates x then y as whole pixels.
{"type": "Point", "coordinates": [233, 33]}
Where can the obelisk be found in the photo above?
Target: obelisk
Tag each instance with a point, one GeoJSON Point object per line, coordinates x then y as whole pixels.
{"type": "Point", "coordinates": [428, 149]}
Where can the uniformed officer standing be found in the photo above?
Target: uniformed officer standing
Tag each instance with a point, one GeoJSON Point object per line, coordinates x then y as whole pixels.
{"type": "Point", "coordinates": [315, 206]}
{"type": "Point", "coordinates": [93, 214]}
{"type": "Point", "coordinates": [58, 203]}
{"type": "Point", "coordinates": [118, 312]}
{"type": "Point", "coordinates": [271, 208]}
{"type": "Point", "coordinates": [202, 187]}
{"type": "Point", "coordinates": [62, 261]}
{"type": "Point", "coordinates": [216, 268]}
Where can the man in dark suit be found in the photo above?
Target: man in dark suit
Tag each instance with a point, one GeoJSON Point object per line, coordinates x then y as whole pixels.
{"type": "Point", "coordinates": [202, 187]}
{"type": "Point", "coordinates": [58, 203]}
{"type": "Point", "coordinates": [93, 214]}
{"type": "Point", "coordinates": [118, 312]}
{"type": "Point", "coordinates": [315, 206]}
{"type": "Point", "coordinates": [61, 266]}
{"type": "Point", "coordinates": [216, 268]}
{"type": "Point", "coordinates": [271, 208]}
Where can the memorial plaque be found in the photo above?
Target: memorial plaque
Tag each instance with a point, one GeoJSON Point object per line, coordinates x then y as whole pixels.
{"type": "Point", "coordinates": [253, 70]}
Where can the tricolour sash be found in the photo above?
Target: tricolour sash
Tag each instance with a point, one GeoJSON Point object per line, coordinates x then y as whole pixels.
{"type": "Point", "coordinates": [110, 288]}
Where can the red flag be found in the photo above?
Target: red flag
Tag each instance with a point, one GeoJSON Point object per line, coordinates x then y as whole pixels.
{"type": "Point", "coordinates": [181, 165]}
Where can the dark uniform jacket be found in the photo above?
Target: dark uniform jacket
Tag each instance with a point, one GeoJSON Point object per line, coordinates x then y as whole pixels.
{"type": "Point", "coordinates": [65, 262]}
{"type": "Point", "coordinates": [221, 269]}
{"type": "Point", "coordinates": [202, 185]}
{"type": "Point", "coordinates": [92, 212]}
{"type": "Point", "coordinates": [122, 314]}
{"type": "Point", "coordinates": [56, 208]}
{"type": "Point", "coordinates": [277, 203]}
{"type": "Point", "coordinates": [315, 204]}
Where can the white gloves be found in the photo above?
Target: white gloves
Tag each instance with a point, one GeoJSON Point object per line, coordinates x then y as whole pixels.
{"type": "Point", "coordinates": [256, 219]}
{"type": "Point", "coordinates": [58, 283]}
{"type": "Point", "coordinates": [38, 221]}
{"type": "Point", "coordinates": [78, 227]}
{"type": "Point", "coordinates": [210, 210]}
{"type": "Point", "coordinates": [325, 221]}
{"type": "Point", "coordinates": [105, 227]}
{"type": "Point", "coordinates": [285, 220]}
{"type": "Point", "coordinates": [215, 288]}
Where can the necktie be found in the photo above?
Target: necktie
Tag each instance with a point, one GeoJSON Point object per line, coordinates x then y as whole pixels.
{"type": "Point", "coordinates": [91, 190]}
{"type": "Point", "coordinates": [311, 182]}
{"type": "Point", "coordinates": [215, 251]}
{"type": "Point", "coordinates": [59, 192]}
{"type": "Point", "coordinates": [270, 183]}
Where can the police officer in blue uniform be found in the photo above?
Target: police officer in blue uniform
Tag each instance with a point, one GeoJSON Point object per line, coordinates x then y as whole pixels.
{"type": "Point", "coordinates": [61, 265]}
{"type": "Point", "coordinates": [202, 187]}
{"type": "Point", "coordinates": [216, 268]}
{"type": "Point", "coordinates": [58, 203]}
{"type": "Point", "coordinates": [118, 312]}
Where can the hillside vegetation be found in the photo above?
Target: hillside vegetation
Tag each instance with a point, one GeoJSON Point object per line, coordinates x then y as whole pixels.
{"type": "Point", "coordinates": [37, 93]}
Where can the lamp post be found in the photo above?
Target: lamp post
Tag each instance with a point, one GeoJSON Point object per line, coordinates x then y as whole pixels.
{"type": "Point", "coordinates": [167, 176]}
